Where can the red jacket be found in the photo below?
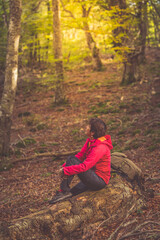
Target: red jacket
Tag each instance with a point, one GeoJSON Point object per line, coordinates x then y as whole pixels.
{"type": "Point", "coordinates": [94, 154]}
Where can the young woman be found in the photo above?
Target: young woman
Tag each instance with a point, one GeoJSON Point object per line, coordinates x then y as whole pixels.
{"type": "Point", "coordinates": [92, 164]}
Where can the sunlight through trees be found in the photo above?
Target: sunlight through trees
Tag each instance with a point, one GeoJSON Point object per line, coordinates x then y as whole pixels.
{"type": "Point", "coordinates": [88, 32]}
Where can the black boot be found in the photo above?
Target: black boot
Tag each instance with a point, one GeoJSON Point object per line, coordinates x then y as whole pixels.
{"type": "Point", "coordinates": [60, 196]}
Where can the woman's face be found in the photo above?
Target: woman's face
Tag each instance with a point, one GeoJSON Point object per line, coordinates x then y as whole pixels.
{"type": "Point", "coordinates": [88, 131]}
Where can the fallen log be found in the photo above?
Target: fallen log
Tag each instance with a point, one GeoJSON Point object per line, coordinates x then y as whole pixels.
{"type": "Point", "coordinates": [84, 211]}
{"type": "Point", "coordinates": [46, 154]}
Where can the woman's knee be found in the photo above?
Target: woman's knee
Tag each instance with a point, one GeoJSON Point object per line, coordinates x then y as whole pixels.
{"type": "Point", "coordinates": [72, 160]}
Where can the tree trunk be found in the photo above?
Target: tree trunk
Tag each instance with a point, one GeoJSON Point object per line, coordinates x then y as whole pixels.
{"type": "Point", "coordinates": [85, 211]}
{"type": "Point", "coordinates": [35, 48]}
{"type": "Point", "coordinates": [142, 18]}
{"type": "Point", "coordinates": [121, 4]}
{"type": "Point", "coordinates": [5, 13]}
{"type": "Point", "coordinates": [48, 33]}
{"type": "Point", "coordinates": [11, 75]}
{"type": "Point", "coordinates": [135, 59]}
{"type": "Point", "coordinates": [57, 46]}
{"type": "Point", "coordinates": [156, 28]}
{"type": "Point", "coordinates": [30, 55]}
{"type": "Point", "coordinates": [132, 69]}
{"type": "Point", "coordinates": [97, 63]}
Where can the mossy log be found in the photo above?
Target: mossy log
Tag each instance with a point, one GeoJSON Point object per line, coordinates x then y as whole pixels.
{"type": "Point", "coordinates": [83, 211]}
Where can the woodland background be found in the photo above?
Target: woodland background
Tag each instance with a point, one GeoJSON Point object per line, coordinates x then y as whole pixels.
{"type": "Point", "coordinates": [76, 60]}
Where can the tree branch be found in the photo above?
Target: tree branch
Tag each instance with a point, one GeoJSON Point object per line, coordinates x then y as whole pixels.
{"type": "Point", "coordinates": [105, 221]}
{"type": "Point", "coordinates": [47, 154]}
{"type": "Point", "coordinates": [155, 7]}
{"type": "Point", "coordinates": [122, 223]}
{"type": "Point", "coordinates": [66, 10]}
{"type": "Point", "coordinates": [37, 6]}
{"type": "Point", "coordinates": [138, 233]}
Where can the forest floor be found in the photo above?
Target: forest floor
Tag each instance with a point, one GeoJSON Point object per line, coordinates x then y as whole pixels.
{"type": "Point", "coordinates": [132, 115]}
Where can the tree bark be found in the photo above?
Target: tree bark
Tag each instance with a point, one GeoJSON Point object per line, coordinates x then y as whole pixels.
{"type": "Point", "coordinates": [135, 59]}
{"type": "Point", "coordinates": [5, 14]}
{"type": "Point", "coordinates": [131, 72]}
{"type": "Point", "coordinates": [122, 5]}
{"type": "Point", "coordinates": [11, 75]}
{"type": "Point", "coordinates": [97, 63]}
{"type": "Point", "coordinates": [84, 211]}
{"type": "Point", "coordinates": [57, 46]}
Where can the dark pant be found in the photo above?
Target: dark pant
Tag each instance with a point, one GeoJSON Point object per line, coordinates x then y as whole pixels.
{"type": "Point", "coordinates": [89, 179]}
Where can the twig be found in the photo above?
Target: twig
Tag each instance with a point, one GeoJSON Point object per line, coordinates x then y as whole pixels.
{"type": "Point", "coordinates": [154, 180]}
{"type": "Point", "coordinates": [121, 225]}
{"type": "Point", "coordinates": [102, 224]}
{"type": "Point", "coordinates": [153, 122]}
{"type": "Point", "coordinates": [22, 139]}
{"type": "Point", "coordinates": [139, 233]}
{"type": "Point", "coordinates": [130, 222]}
{"type": "Point", "coordinates": [135, 231]}
{"type": "Point", "coordinates": [119, 121]}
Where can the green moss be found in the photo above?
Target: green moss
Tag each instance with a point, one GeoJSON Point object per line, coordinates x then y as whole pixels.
{"type": "Point", "coordinates": [139, 211]}
{"type": "Point", "coordinates": [103, 109]}
{"type": "Point", "coordinates": [95, 85]}
{"type": "Point", "coordinates": [74, 131]}
{"type": "Point", "coordinates": [43, 145]}
{"type": "Point", "coordinates": [41, 126]}
{"type": "Point", "coordinates": [32, 120]}
{"type": "Point", "coordinates": [54, 159]}
{"type": "Point", "coordinates": [113, 127]}
{"type": "Point", "coordinates": [60, 109]}
{"type": "Point", "coordinates": [29, 141]}
{"type": "Point", "coordinates": [46, 199]}
{"type": "Point", "coordinates": [122, 131]}
{"type": "Point", "coordinates": [20, 144]}
{"type": "Point", "coordinates": [132, 144]}
{"type": "Point", "coordinates": [149, 132]}
{"type": "Point", "coordinates": [18, 152]}
{"type": "Point", "coordinates": [45, 175]}
{"type": "Point", "coordinates": [153, 147]}
{"type": "Point", "coordinates": [25, 142]}
{"type": "Point", "coordinates": [55, 144]}
{"type": "Point", "coordinates": [24, 114]}
{"type": "Point", "coordinates": [123, 105]}
{"type": "Point", "coordinates": [137, 131]}
{"type": "Point", "coordinates": [41, 150]}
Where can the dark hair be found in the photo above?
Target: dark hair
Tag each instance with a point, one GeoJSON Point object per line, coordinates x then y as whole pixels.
{"type": "Point", "coordinates": [98, 127]}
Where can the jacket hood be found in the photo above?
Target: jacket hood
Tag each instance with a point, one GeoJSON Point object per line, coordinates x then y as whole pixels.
{"type": "Point", "coordinates": [105, 140]}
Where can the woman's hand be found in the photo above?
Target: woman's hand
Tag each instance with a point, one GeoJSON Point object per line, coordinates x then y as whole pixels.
{"type": "Point", "coordinates": [62, 175]}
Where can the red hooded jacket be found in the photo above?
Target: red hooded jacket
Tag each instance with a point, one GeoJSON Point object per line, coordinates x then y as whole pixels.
{"type": "Point", "coordinates": [94, 154]}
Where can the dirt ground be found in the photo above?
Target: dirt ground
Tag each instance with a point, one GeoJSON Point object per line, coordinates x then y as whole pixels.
{"type": "Point", "coordinates": [132, 115]}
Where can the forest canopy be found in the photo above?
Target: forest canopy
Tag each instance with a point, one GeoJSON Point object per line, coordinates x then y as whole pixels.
{"type": "Point", "coordinates": [114, 27]}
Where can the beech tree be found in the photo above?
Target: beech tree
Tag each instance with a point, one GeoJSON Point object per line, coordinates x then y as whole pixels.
{"type": "Point", "coordinates": [11, 75]}
{"type": "Point", "coordinates": [129, 31]}
{"type": "Point", "coordinates": [97, 63]}
{"type": "Point", "coordinates": [136, 55]}
{"type": "Point", "coordinates": [57, 46]}
{"type": "Point", "coordinates": [83, 23]}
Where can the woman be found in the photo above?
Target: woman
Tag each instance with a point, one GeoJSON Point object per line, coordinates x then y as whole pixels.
{"type": "Point", "coordinates": [92, 164]}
